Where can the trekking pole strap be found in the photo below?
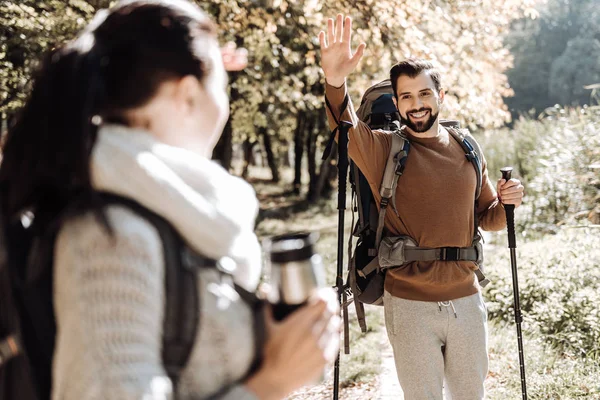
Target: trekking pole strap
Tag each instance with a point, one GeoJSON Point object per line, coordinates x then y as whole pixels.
{"type": "Point", "coordinates": [347, 287]}
{"type": "Point", "coordinates": [346, 323]}
{"type": "Point", "coordinates": [327, 151]}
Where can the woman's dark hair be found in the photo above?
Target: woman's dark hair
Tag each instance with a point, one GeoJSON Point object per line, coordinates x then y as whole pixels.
{"type": "Point", "coordinates": [116, 64]}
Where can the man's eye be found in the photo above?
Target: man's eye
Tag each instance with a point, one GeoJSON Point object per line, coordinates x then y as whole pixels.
{"type": "Point", "coordinates": [425, 94]}
{"type": "Point", "coordinates": [407, 96]}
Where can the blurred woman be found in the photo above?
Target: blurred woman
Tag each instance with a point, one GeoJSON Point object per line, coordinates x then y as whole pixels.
{"type": "Point", "coordinates": [133, 107]}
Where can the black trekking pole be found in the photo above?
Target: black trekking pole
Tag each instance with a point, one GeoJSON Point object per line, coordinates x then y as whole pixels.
{"type": "Point", "coordinates": [512, 245]}
{"type": "Point", "coordinates": [339, 280]}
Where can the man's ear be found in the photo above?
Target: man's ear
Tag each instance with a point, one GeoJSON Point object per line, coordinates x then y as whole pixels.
{"type": "Point", "coordinates": [395, 101]}
{"type": "Point", "coordinates": [442, 95]}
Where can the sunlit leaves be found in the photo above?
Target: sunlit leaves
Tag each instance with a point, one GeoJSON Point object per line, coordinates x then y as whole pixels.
{"type": "Point", "coordinates": [28, 29]}
{"type": "Point", "coordinates": [463, 37]}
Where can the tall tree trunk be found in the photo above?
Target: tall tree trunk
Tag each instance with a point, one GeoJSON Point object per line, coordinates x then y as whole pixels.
{"type": "Point", "coordinates": [3, 130]}
{"type": "Point", "coordinates": [11, 119]}
{"type": "Point", "coordinates": [324, 186]}
{"type": "Point", "coordinates": [223, 151]}
{"type": "Point", "coordinates": [311, 146]}
{"type": "Point", "coordinates": [98, 4]}
{"type": "Point", "coordinates": [298, 151]}
{"type": "Point", "coordinates": [331, 170]}
{"type": "Point", "coordinates": [330, 180]}
{"type": "Point", "coordinates": [248, 147]}
{"type": "Point", "coordinates": [270, 155]}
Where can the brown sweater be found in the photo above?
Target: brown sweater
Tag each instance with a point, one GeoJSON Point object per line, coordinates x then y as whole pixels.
{"type": "Point", "coordinates": [435, 198]}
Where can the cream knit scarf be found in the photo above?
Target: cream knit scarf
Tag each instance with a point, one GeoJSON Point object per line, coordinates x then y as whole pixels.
{"type": "Point", "coordinates": [212, 210]}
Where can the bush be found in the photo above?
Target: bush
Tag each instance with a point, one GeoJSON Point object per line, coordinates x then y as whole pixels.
{"type": "Point", "coordinates": [558, 159]}
{"type": "Point", "coordinates": [559, 280]}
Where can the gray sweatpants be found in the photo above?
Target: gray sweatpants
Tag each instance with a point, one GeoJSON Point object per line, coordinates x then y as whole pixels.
{"type": "Point", "coordinates": [439, 345]}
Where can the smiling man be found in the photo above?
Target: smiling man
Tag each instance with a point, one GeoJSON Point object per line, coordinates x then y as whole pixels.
{"type": "Point", "coordinates": [421, 94]}
{"type": "Point", "coordinates": [434, 313]}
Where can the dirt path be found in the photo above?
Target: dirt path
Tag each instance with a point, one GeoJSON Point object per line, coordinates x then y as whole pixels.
{"type": "Point", "coordinates": [384, 387]}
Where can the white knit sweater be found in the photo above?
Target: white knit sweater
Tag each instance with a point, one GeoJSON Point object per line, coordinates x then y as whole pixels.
{"type": "Point", "coordinates": [109, 293]}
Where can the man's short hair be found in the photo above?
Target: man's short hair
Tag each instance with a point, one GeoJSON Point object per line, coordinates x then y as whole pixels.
{"type": "Point", "coordinates": [413, 67]}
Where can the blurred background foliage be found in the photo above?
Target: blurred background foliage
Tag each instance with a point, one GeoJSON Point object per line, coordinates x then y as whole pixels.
{"type": "Point", "coordinates": [555, 56]}
{"type": "Point", "coordinates": [505, 66]}
{"type": "Point", "coordinates": [557, 156]}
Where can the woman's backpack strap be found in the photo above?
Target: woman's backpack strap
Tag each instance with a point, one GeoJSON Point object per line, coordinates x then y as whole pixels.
{"type": "Point", "coordinates": [181, 315]}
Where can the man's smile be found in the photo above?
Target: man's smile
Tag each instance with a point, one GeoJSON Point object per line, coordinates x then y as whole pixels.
{"type": "Point", "coordinates": [420, 115]}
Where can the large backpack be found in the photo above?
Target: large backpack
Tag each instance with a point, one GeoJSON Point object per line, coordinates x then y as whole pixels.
{"type": "Point", "coordinates": [367, 267]}
{"type": "Point", "coordinates": [27, 324]}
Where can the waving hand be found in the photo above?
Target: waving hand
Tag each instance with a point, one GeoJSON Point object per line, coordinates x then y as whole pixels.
{"type": "Point", "coordinates": [337, 59]}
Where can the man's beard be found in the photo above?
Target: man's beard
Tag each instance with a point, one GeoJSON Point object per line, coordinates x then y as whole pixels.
{"type": "Point", "coordinates": [421, 126]}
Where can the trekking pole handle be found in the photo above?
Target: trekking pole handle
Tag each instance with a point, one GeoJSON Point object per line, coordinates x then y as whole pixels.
{"type": "Point", "coordinates": [506, 173]}
{"type": "Point", "coordinates": [510, 212]}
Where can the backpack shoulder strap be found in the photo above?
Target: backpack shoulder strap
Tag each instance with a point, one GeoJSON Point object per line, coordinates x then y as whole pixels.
{"type": "Point", "coordinates": [472, 152]}
{"type": "Point", "coordinates": [394, 168]}
{"type": "Point", "coordinates": [474, 155]}
{"type": "Point", "coordinates": [181, 318]}
{"type": "Point", "coordinates": [182, 308]}
{"type": "Point", "coordinates": [479, 156]}
{"type": "Point", "coordinates": [398, 151]}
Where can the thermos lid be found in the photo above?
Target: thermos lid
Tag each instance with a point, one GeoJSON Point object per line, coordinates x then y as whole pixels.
{"type": "Point", "coordinates": [292, 247]}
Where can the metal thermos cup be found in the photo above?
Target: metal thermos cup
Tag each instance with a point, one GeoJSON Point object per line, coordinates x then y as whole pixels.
{"type": "Point", "coordinates": [295, 271]}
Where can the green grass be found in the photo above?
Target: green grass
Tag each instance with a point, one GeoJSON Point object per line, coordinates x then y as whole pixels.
{"type": "Point", "coordinates": [559, 289]}
{"type": "Point", "coordinates": [550, 376]}
{"type": "Point", "coordinates": [364, 361]}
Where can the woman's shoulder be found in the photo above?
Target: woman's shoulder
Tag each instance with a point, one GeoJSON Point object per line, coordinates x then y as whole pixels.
{"type": "Point", "coordinates": [130, 235]}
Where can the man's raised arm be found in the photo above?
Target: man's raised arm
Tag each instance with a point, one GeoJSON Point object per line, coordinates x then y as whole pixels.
{"type": "Point", "coordinates": [338, 62]}
{"type": "Point", "coordinates": [366, 148]}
